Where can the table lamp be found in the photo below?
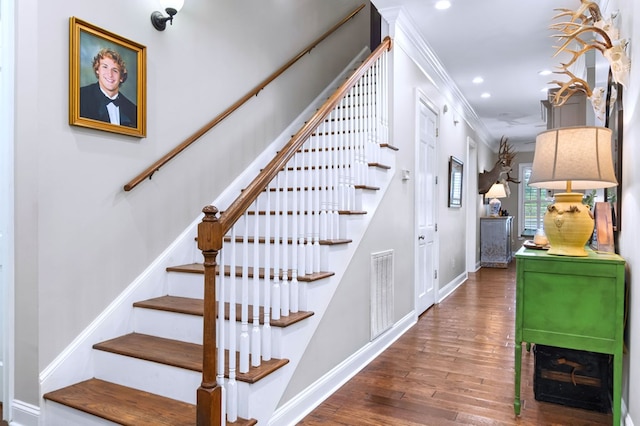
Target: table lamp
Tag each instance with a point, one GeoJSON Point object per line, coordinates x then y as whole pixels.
{"type": "Point", "coordinates": [496, 191]}
{"type": "Point", "coordinates": [571, 158]}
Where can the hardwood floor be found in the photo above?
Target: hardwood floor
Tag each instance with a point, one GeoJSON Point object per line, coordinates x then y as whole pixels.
{"type": "Point", "coordinates": [455, 366]}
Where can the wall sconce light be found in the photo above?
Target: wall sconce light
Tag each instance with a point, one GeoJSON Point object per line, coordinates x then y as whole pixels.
{"type": "Point", "coordinates": [172, 7]}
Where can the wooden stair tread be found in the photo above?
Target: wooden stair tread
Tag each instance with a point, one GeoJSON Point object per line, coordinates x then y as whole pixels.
{"type": "Point", "coordinates": [178, 354]}
{"type": "Point", "coordinates": [191, 306]}
{"type": "Point", "coordinates": [198, 268]}
{"type": "Point", "coordinates": [367, 187]}
{"type": "Point", "coordinates": [380, 166]}
{"type": "Point", "coordinates": [389, 146]}
{"type": "Point", "coordinates": [128, 406]}
{"type": "Point", "coordinates": [124, 405]}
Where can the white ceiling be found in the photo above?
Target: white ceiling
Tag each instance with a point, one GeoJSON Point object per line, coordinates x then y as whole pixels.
{"type": "Point", "coordinates": [507, 42]}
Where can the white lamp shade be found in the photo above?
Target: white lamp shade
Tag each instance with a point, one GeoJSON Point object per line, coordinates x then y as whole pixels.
{"type": "Point", "coordinates": [174, 4]}
{"type": "Point", "coordinates": [581, 155]}
{"type": "Point", "coordinates": [496, 191]}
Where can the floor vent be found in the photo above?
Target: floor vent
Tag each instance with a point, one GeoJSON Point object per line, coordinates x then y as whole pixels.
{"type": "Point", "coordinates": [381, 292]}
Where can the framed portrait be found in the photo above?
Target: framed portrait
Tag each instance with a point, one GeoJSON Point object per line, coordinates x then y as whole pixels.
{"type": "Point", "coordinates": [107, 80]}
{"type": "Point", "coordinates": [455, 182]}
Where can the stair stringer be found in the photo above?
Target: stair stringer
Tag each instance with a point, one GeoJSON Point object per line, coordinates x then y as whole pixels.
{"type": "Point", "coordinates": [263, 401]}
{"type": "Point", "coordinates": [76, 362]}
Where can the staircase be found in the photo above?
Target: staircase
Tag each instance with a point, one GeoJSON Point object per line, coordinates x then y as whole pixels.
{"type": "Point", "coordinates": [276, 275]}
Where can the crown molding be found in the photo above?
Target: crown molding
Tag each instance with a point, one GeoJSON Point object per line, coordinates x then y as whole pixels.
{"type": "Point", "coordinates": [406, 36]}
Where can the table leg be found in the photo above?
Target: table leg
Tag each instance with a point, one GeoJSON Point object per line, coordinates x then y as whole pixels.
{"type": "Point", "coordinates": [518, 360]}
{"type": "Point", "coordinates": [617, 387]}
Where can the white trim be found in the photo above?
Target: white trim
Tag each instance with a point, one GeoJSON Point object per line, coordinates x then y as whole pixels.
{"type": "Point", "coordinates": [451, 287]}
{"type": "Point", "coordinates": [7, 272]}
{"type": "Point", "coordinates": [24, 414]}
{"type": "Point", "coordinates": [297, 408]}
{"type": "Point", "coordinates": [407, 37]}
{"type": "Point", "coordinates": [472, 205]}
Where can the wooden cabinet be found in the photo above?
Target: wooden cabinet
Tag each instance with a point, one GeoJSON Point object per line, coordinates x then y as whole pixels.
{"type": "Point", "coordinates": [573, 303]}
{"type": "Point", "coordinates": [495, 241]}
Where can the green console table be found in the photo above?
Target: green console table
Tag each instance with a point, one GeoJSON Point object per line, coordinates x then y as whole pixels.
{"type": "Point", "coordinates": [573, 303]}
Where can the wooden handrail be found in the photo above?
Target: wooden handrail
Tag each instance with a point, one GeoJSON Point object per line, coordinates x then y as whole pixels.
{"type": "Point", "coordinates": [148, 173]}
{"type": "Point", "coordinates": [251, 192]}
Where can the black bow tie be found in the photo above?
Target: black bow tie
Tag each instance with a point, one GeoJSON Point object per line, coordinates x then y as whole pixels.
{"type": "Point", "coordinates": [115, 101]}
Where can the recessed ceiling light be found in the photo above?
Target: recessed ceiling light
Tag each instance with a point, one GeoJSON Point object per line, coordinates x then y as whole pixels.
{"type": "Point", "coordinates": [443, 4]}
{"type": "Point", "coordinates": [544, 72]}
{"type": "Point", "coordinates": [478, 80]}
{"type": "Point", "coordinates": [485, 95]}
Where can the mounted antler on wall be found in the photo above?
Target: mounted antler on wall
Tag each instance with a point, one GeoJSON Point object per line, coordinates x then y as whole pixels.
{"type": "Point", "coordinates": [501, 168]}
{"type": "Point", "coordinates": [606, 40]}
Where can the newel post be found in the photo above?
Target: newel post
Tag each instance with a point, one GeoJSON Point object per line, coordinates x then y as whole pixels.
{"type": "Point", "coordinates": [209, 395]}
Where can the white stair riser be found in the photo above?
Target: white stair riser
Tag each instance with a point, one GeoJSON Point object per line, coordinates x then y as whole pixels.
{"type": "Point", "coordinates": [309, 225]}
{"type": "Point", "coordinates": [188, 328]}
{"type": "Point", "coordinates": [170, 325]}
{"type": "Point", "coordinates": [188, 285]}
{"type": "Point", "coordinates": [58, 414]}
{"type": "Point", "coordinates": [161, 379]}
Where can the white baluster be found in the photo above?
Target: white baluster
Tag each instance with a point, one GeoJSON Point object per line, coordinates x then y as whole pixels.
{"type": "Point", "coordinates": [244, 295]}
{"type": "Point", "coordinates": [352, 142]}
{"type": "Point", "coordinates": [232, 386]}
{"type": "Point", "coordinates": [277, 236]}
{"type": "Point", "coordinates": [308, 252]}
{"type": "Point", "coordinates": [293, 297]}
{"type": "Point", "coordinates": [316, 208]}
{"type": "Point", "coordinates": [255, 330]}
{"type": "Point", "coordinates": [266, 328]}
{"type": "Point", "coordinates": [284, 286]}
{"type": "Point", "coordinates": [303, 217]}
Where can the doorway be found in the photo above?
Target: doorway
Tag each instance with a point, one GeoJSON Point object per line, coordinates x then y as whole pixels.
{"type": "Point", "coordinates": [426, 278]}
{"type": "Point", "coordinates": [7, 15]}
{"type": "Point", "coordinates": [473, 201]}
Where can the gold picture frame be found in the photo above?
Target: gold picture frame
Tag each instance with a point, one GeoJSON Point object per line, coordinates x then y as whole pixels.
{"type": "Point", "coordinates": [102, 63]}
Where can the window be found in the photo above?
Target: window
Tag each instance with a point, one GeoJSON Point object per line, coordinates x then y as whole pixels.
{"type": "Point", "coordinates": [533, 204]}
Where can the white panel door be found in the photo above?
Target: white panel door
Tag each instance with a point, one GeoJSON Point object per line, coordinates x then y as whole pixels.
{"type": "Point", "coordinates": [426, 253]}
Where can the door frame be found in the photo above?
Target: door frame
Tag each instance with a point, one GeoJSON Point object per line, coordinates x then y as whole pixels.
{"type": "Point", "coordinates": [422, 98]}
{"type": "Point", "coordinates": [472, 200]}
{"type": "Point", "coordinates": [7, 196]}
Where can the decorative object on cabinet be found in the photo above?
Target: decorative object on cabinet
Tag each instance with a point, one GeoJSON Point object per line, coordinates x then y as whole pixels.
{"type": "Point", "coordinates": [495, 241]}
{"type": "Point", "coordinates": [604, 236]}
{"type": "Point", "coordinates": [571, 158]}
{"type": "Point", "coordinates": [94, 52]}
{"type": "Point", "coordinates": [455, 182]}
{"type": "Point", "coordinates": [497, 191]}
{"type": "Point", "coordinates": [573, 303]}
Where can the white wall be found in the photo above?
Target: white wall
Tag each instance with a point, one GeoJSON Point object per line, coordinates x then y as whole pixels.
{"type": "Point", "coordinates": [80, 239]}
{"type": "Point", "coordinates": [629, 13]}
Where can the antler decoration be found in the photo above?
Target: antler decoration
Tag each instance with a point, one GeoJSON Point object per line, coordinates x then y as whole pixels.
{"type": "Point", "coordinates": [606, 40]}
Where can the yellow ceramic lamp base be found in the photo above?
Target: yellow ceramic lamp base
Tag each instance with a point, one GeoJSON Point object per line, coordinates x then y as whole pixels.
{"type": "Point", "coordinates": [568, 224]}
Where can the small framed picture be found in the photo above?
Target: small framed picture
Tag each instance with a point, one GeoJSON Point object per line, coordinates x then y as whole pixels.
{"type": "Point", "coordinates": [455, 182]}
{"type": "Point", "coordinates": [107, 80]}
